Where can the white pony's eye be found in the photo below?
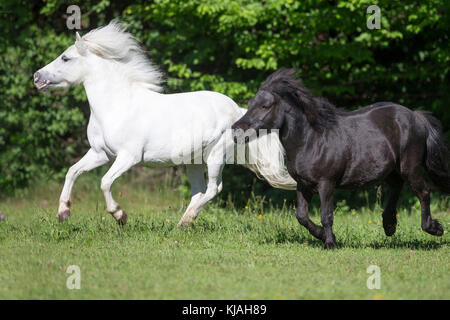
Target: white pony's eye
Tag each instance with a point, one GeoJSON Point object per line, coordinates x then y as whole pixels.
{"type": "Point", "coordinates": [64, 58]}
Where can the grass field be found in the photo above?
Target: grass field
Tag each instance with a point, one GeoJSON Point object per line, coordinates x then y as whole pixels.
{"type": "Point", "coordinates": [230, 253]}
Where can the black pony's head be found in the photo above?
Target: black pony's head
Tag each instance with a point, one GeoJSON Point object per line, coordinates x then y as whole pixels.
{"type": "Point", "coordinates": [281, 93]}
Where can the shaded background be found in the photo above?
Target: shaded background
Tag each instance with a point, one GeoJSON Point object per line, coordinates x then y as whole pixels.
{"type": "Point", "coordinates": [225, 46]}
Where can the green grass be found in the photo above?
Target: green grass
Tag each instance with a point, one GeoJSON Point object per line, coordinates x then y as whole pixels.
{"type": "Point", "coordinates": [230, 253]}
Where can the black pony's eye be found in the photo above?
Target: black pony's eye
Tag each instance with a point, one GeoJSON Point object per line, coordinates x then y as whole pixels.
{"type": "Point", "coordinates": [65, 59]}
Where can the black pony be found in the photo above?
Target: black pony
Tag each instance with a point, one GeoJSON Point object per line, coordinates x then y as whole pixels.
{"type": "Point", "coordinates": [330, 148]}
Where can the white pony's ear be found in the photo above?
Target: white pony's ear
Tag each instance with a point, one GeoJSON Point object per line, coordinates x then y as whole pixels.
{"type": "Point", "coordinates": [79, 44]}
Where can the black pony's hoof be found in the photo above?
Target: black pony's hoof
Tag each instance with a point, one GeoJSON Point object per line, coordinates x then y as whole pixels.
{"type": "Point", "coordinates": [389, 229]}
{"type": "Point", "coordinates": [389, 224]}
{"type": "Point", "coordinates": [434, 228]}
{"type": "Point", "coordinates": [330, 245]}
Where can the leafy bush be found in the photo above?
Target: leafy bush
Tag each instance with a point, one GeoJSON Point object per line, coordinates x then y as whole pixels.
{"type": "Point", "coordinates": [39, 134]}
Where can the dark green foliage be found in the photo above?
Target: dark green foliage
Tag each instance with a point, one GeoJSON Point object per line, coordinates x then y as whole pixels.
{"type": "Point", "coordinates": [39, 134]}
{"type": "Point", "coordinates": [225, 46]}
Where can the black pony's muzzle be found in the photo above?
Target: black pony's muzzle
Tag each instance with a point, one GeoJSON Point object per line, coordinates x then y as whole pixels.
{"type": "Point", "coordinates": [238, 130]}
{"type": "Point", "coordinates": [243, 133]}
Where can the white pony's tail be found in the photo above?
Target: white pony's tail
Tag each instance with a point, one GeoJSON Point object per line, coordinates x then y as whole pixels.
{"type": "Point", "coordinates": [268, 161]}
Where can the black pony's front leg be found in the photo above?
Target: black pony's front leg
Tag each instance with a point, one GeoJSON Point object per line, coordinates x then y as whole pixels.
{"type": "Point", "coordinates": [303, 200]}
{"type": "Point", "coordinates": [326, 190]}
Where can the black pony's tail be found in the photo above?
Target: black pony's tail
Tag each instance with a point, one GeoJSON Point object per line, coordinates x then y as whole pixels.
{"type": "Point", "coordinates": [437, 161]}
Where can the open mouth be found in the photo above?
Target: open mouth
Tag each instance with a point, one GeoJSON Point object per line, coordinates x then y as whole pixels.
{"type": "Point", "coordinates": [42, 85]}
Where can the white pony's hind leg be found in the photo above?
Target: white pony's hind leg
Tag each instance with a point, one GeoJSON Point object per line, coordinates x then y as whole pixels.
{"type": "Point", "coordinates": [198, 201]}
{"type": "Point", "coordinates": [122, 164]}
{"type": "Point", "coordinates": [214, 185]}
{"type": "Point", "coordinates": [196, 176]}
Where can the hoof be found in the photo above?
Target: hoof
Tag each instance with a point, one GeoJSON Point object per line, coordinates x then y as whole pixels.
{"type": "Point", "coordinates": [123, 220]}
{"type": "Point", "coordinates": [330, 245]}
{"type": "Point", "coordinates": [2, 217]}
{"type": "Point", "coordinates": [389, 229]}
{"type": "Point", "coordinates": [63, 215]}
{"type": "Point", "coordinates": [121, 217]}
{"type": "Point", "coordinates": [183, 224]}
{"type": "Point", "coordinates": [434, 228]}
{"type": "Point", "coordinates": [389, 224]}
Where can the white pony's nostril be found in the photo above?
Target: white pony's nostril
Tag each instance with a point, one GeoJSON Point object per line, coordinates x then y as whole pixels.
{"type": "Point", "coordinates": [36, 76]}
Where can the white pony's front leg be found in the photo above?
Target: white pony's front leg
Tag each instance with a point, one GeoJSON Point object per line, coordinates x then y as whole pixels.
{"type": "Point", "coordinates": [123, 163]}
{"type": "Point", "coordinates": [91, 160]}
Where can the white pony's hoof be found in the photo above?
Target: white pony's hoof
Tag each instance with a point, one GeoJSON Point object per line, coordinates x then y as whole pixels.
{"type": "Point", "coordinates": [185, 223]}
{"type": "Point", "coordinates": [64, 215]}
{"type": "Point", "coordinates": [121, 217]}
{"type": "Point", "coordinates": [2, 216]}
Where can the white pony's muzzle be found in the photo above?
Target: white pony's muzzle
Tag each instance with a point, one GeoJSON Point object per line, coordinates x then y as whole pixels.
{"type": "Point", "coordinates": [39, 82]}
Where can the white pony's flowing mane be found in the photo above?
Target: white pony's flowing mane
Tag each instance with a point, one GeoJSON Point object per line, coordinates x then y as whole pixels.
{"type": "Point", "coordinates": [113, 42]}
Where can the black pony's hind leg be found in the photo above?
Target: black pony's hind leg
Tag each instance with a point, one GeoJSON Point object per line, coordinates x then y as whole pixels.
{"type": "Point", "coordinates": [422, 191]}
{"type": "Point", "coordinates": [326, 190]}
{"type": "Point", "coordinates": [303, 200]}
{"type": "Point", "coordinates": [395, 184]}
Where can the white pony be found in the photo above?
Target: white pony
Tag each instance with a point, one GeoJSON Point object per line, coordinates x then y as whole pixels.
{"type": "Point", "coordinates": [131, 121]}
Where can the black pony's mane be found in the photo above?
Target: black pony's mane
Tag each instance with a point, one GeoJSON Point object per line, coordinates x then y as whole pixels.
{"type": "Point", "coordinates": [319, 112]}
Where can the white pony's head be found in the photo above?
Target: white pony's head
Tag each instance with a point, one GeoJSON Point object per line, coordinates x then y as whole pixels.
{"type": "Point", "coordinates": [108, 48]}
